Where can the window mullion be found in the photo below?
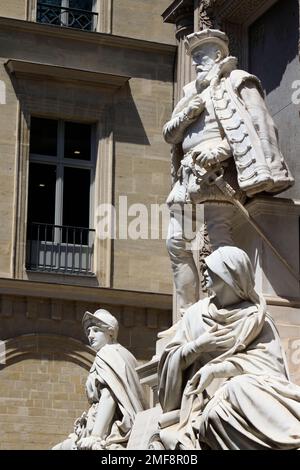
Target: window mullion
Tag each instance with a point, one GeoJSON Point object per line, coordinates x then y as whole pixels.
{"type": "Point", "coordinates": [65, 15]}
{"type": "Point", "coordinates": [59, 175]}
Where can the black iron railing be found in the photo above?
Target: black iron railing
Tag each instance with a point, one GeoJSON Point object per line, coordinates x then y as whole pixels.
{"type": "Point", "coordinates": [60, 248]}
{"type": "Point", "coordinates": [69, 17]}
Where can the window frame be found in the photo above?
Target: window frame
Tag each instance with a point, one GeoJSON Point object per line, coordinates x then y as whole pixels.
{"type": "Point", "coordinates": [97, 7]}
{"type": "Point", "coordinates": [102, 7]}
{"type": "Point", "coordinates": [61, 162]}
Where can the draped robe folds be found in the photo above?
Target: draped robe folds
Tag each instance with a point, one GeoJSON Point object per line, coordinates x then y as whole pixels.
{"type": "Point", "coordinates": [114, 368]}
{"type": "Point", "coordinates": [257, 409]}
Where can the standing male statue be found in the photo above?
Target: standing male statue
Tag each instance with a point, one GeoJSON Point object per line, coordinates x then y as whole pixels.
{"type": "Point", "coordinates": [223, 130]}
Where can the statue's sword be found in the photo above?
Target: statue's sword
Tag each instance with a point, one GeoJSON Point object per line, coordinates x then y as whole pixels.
{"type": "Point", "coordinates": [216, 177]}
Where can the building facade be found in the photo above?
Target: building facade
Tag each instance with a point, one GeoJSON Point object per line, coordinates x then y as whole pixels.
{"type": "Point", "coordinates": [86, 86]}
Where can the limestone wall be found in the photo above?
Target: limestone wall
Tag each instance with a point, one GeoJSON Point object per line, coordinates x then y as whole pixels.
{"type": "Point", "coordinates": [14, 9]}
{"type": "Point", "coordinates": [8, 140]}
{"type": "Point", "coordinates": [40, 399]}
{"type": "Point", "coordinates": [137, 113]}
{"type": "Point", "coordinates": [142, 20]}
{"type": "Point", "coordinates": [46, 359]}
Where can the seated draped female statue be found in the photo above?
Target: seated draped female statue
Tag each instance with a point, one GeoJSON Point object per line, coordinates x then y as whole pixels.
{"type": "Point", "coordinates": [112, 387]}
{"type": "Point", "coordinates": [223, 379]}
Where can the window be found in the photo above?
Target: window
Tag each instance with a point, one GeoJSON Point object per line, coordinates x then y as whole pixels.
{"type": "Point", "coordinates": [71, 13]}
{"type": "Point", "coordinates": [61, 171]}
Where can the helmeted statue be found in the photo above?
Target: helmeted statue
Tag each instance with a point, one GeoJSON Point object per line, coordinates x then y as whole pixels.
{"type": "Point", "coordinates": [112, 387]}
{"type": "Point", "coordinates": [221, 128]}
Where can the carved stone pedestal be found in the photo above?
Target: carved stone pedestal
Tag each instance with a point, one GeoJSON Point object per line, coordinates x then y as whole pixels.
{"type": "Point", "coordinates": [279, 220]}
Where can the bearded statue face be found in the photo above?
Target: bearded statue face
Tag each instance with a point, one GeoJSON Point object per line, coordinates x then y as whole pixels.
{"type": "Point", "coordinates": [205, 58]}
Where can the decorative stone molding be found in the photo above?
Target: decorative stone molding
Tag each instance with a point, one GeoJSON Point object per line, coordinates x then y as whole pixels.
{"type": "Point", "coordinates": [27, 346]}
{"type": "Point", "coordinates": [35, 85]}
{"type": "Point", "coordinates": [103, 39]}
{"type": "Point", "coordinates": [242, 11]}
{"type": "Point", "coordinates": [104, 8]}
{"type": "Point", "coordinates": [26, 69]}
{"type": "Point", "coordinates": [39, 313]}
{"type": "Point", "coordinates": [269, 206]}
{"type": "Point", "coordinates": [20, 204]}
{"type": "Point", "coordinates": [31, 10]}
{"type": "Point", "coordinates": [148, 376]}
{"type": "Point", "coordinates": [205, 12]}
{"type": "Point", "coordinates": [180, 13]}
{"type": "Point", "coordinates": [85, 294]}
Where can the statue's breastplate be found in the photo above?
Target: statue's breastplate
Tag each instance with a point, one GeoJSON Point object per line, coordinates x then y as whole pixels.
{"type": "Point", "coordinates": [205, 128]}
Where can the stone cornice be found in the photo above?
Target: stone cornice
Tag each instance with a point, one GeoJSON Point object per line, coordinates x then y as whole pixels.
{"type": "Point", "coordinates": [26, 69]}
{"type": "Point", "coordinates": [88, 294]}
{"type": "Point", "coordinates": [177, 10]}
{"type": "Point", "coordinates": [148, 373]}
{"type": "Point", "coordinates": [267, 206]}
{"type": "Point", "coordinates": [273, 205]}
{"type": "Point", "coordinates": [104, 39]}
{"type": "Point", "coordinates": [241, 11]}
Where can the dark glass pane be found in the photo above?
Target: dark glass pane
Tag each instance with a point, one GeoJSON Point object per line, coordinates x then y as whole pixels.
{"type": "Point", "coordinates": [79, 16]}
{"type": "Point", "coordinates": [77, 141]}
{"type": "Point", "coordinates": [81, 19]}
{"type": "Point", "coordinates": [76, 204]}
{"type": "Point", "coordinates": [41, 200]}
{"type": "Point", "coordinates": [43, 136]}
{"type": "Point", "coordinates": [81, 4]}
{"type": "Point", "coordinates": [49, 11]}
{"type": "Point", "coordinates": [50, 2]}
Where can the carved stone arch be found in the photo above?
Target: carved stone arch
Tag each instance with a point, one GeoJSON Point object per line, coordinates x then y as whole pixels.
{"type": "Point", "coordinates": [33, 345]}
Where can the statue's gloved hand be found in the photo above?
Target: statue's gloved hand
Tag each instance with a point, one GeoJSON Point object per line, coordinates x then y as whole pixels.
{"type": "Point", "coordinates": [215, 339]}
{"type": "Point", "coordinates": [201, 380]}
{"type": "Point", "coordinates": [194, 108]}
{"type": "Point", "coordinates": [207, 158]}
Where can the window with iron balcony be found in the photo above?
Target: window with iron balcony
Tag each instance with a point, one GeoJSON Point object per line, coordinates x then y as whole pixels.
{"type": "Point", "coordinates": [61, 175]}
{"type": "Point", "coordinates": [77, 14]}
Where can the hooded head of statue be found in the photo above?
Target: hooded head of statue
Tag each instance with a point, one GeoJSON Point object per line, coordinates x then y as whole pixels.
{"type": "Point", "coordinates": [233, 266]}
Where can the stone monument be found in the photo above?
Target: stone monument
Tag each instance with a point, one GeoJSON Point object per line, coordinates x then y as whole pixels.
{"type": "Point", "coordinates": [112, 387]}
{"type": "Point", "coordinates": [228, 145]}
{"type": "Point", "coordinates": [223, 380]}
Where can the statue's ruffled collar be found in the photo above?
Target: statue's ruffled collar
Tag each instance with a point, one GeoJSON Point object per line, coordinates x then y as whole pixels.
{"type": "Point", "coordinates": [219, 70]}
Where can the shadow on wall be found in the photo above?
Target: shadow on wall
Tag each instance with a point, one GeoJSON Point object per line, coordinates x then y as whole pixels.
{"type": "Point", "coordinates": [274, 38]}
{"type": "Point", "coordinates": [128, 124]}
